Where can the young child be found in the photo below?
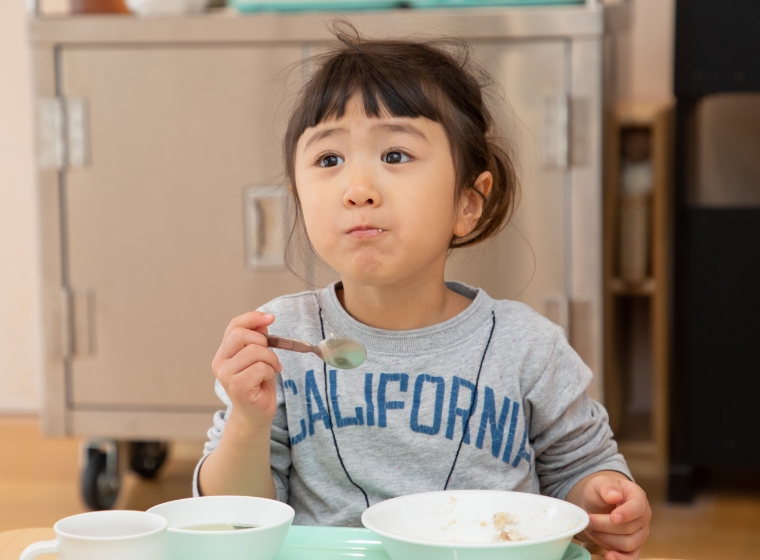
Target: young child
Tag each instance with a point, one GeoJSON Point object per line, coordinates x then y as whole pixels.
{"type": "Point", "coordinates": [391, 164]}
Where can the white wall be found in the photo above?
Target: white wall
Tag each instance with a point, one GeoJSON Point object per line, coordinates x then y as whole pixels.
{"type": "Point", "coordinates": [20, 324]}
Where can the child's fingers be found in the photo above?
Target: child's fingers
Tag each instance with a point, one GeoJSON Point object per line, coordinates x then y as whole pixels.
{"type": "Point", "coordinates": [631, 509]}
{"type": "Point", "coordinates": [592, 537]}
{"type": "Point", "coordinates": [248, 383]}
{"type": "Point", "coordinates": [633, 506]}
{"type": "Point", "coordinates": [237, 339]}
{"type": "Point", "coordinates": [252, 354]}
{"type": "Point", "coordinates": [601, 493]}
{"type": "Point", "coordinates": [617, 555]}
{"type": "Point", "coordinates": [254, 320]}
{"type": "Point", "coordinates": [247, 357]}
{"type": "Point", "coordinates": [603, 524]}
{"type": "Point", "coordinates": [611, 491]}
{"type": "Point", "coordinates": [622, 543]}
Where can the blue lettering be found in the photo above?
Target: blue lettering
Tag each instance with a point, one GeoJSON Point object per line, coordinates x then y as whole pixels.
{"type": "Point", "coordinates": [339, 420]}
{"type": "Point", "coordinates": [489, 416]}
{"type": "Point", "coordinates": [294, 440]}
{"type": "Point", "coordinates": [368, 399]}
{"type": "Point", "coordinates": [312, 391]}
{"type": "Point", "coordinates": [419, 383]}
{"type": "Point", "coordinates": [523, 453]}
{"type": "Point", "coordinates": [454, 411]}
{"type": "Point", "coordinates": [511, 436]}
{"type": "Point", "coordinates": [290, 384]}
{"type": "Point", "coordinates": [382, 404]}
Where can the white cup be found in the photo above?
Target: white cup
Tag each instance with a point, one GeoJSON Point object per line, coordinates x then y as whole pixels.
{"type": "Point", "coordinates": [100, 535]}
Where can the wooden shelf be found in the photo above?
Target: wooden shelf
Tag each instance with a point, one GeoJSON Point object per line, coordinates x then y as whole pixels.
{"type": "Point", "coordinates": [644, 458]}
{"type": "Point", "coordinates": [649, 455]}
{"type": "Point", "coordinates": [618, 286]}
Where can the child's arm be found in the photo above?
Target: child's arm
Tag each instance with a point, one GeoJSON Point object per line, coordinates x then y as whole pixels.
{"type": "Point", "coordinates": [247, 369]}
{"type": "Point", "coordinates": [618, 510]}
{"type": "Point", "coordinates": [576, 457]}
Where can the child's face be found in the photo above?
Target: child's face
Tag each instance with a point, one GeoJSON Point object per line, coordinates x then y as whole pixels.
{"type": "Point", "coordinates": [378, 195]}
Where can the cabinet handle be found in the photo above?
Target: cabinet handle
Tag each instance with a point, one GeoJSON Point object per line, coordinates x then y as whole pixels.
{"type": "Point", "coordinates": [79, 323]}
{"type": "Point", "coordinates": [555, 132]}
{"type": "Point", "coordinates": [265, 216]}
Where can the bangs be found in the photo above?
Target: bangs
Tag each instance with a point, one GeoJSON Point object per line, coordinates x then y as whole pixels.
{"type": "Point", "coordinates": [386, 89]}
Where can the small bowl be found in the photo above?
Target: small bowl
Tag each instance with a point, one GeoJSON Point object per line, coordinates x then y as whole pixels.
{"type": "Point", "coordinates": [458, 525]}
{"type": "Point", "coordinates": [153, 8]}
{"type": "Point", "coordinates": [271, 519]}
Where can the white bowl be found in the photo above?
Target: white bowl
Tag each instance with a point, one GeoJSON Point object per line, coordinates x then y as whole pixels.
{"type": "Point", "coordinates": [271, 518]}
{"type": "Point", "coordinates": [152, 8]}
{"type": "Point", "coordinates": [458, 525]}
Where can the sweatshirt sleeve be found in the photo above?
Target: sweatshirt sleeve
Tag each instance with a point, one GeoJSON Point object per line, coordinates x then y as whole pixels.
{"type": "Point", "coordinates": [279, 447]}
{"type": "Point", "coordinates": [569, 431]}
{"type": "Point", "coordinates": [279, 443]}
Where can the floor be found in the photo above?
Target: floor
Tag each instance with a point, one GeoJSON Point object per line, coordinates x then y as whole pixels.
{"type": "Point", "coordinates": [39, 484]}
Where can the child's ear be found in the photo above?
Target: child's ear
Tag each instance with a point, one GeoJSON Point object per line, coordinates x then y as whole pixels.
{"type": "Point", "coordinates": [483, 185]}
{"type": "Point", "coordinates": [471, 204]}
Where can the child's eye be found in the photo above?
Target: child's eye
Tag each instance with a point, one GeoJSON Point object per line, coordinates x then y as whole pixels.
{"type": "Point", "coordinates": [330, 160]}
{"type": "Point", "coordinates": [395, 156]}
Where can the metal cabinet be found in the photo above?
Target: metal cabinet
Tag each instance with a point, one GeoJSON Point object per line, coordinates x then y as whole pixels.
{"type": "Point", "coordinates": [528, 261]}
{"type": "Point", "coordinates": [155, 223]}
{"type": "Point", "coordinates": [154, 138]}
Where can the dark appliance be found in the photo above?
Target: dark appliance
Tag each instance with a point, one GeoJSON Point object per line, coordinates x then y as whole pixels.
{"type": "Point", "coordinates": [715, 381]}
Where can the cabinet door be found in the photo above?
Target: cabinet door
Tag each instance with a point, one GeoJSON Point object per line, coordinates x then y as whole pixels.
{"type": "Point", "coordinates": [154, 225]}
{"type": "Point", "coordinates": [527, 261]}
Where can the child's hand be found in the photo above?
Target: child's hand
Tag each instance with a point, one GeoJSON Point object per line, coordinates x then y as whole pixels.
{"type": "Point", "coordinates": [619, 515]}
{"type": "Point", "coordinates": [247, 368]}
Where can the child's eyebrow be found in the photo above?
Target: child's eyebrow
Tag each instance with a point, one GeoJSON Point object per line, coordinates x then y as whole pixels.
{"type": "Point", "coordinates": [388, 127]}
{"type": "Point", "coordinates": [402, 128]}
{"type": "Point", "coordinates": [323, 134]}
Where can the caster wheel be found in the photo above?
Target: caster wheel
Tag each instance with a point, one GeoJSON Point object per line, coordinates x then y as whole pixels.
{"type": "Point", "coordinates": [99, 487]}
{"type": "Point", "coordinates": [148, 457]}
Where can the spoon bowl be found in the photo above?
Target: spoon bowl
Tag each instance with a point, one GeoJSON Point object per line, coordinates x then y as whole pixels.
{"type": "Point", "coordinates": [342, 352]}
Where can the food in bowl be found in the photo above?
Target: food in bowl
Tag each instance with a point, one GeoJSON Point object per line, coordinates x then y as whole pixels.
{"type": "Point", "coordinates": [225, 527]}
{"type": "Point", "coordinates": [475, 524]}
{"type": "Point", "coordinates": [218, 527]}
{"type": "Point", "coordinates": [455, 521]}
{"type": "Point", "coordinates": [500, 521]}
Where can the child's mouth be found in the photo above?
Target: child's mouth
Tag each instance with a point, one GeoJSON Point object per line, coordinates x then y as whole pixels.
{"type": "Point", "coordinates": [366, 232]}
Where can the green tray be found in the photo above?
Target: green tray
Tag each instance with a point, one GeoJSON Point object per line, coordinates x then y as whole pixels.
{"type": "Point", "coordinates": [479, 3]}
{"type": "Point", "coordinates": [329, 543]}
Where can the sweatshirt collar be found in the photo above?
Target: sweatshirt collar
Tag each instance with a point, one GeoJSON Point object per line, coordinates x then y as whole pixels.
{"type": "Point", "coordinates": [415, 341]}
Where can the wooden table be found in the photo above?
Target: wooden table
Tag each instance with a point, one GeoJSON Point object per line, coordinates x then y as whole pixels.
{"type": "Point", "coordinates": [12, 543]}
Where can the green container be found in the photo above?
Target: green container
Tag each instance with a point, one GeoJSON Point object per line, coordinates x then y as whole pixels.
{"type": "Point", "coordinates": [340, 543]}
{"type": "Point", "coordinates": [253, 6]}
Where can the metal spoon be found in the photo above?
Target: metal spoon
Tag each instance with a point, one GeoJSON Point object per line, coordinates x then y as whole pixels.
{"type": "Point", "coordinates": [337, 351]}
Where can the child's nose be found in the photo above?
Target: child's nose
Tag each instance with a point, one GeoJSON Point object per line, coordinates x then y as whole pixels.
{"type": "Point", "coordinates": [361, 193]}
{"type": "Point", "coordinates": [359, 200]}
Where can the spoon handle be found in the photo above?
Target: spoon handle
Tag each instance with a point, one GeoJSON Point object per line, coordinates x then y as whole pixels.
{"type": "Point", "coordinates": [292, 344]}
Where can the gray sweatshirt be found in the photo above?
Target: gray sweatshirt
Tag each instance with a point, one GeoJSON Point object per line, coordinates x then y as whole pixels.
{"type": "Point", "coordinates": [494, 398]}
